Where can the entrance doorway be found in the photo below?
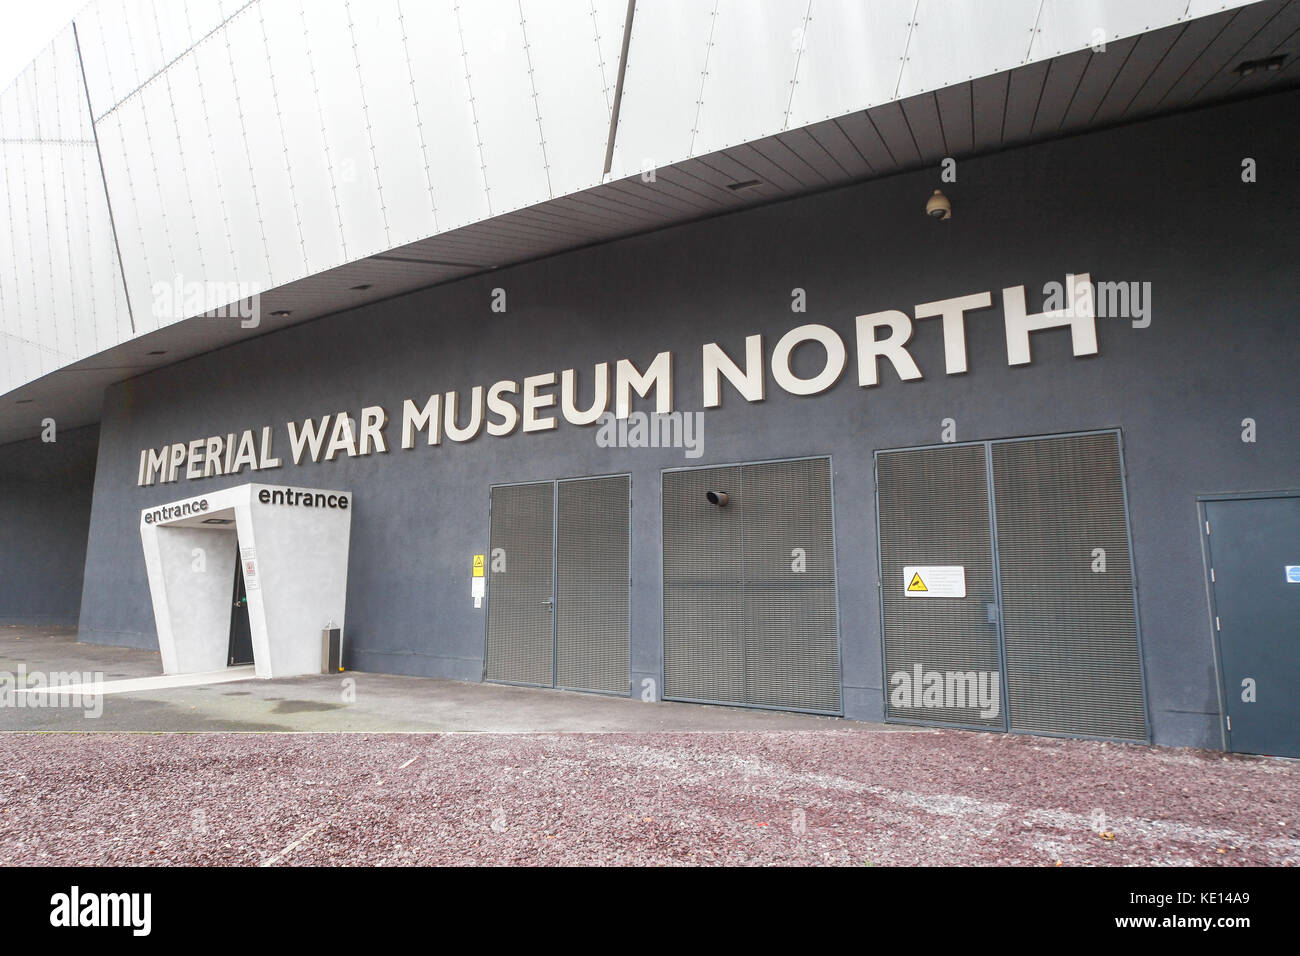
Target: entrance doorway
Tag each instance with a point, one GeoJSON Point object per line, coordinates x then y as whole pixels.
{"type": "Point", "coordinates": [241, 631]}
{"type": "Point", "coordinates": [558, 585]}
{"type": "Point", "coordinates": [1007, 593]}
{"type": "Point", "coordinates": [1252, 550]}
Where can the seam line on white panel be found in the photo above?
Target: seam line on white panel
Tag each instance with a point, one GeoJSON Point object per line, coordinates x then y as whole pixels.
{"type": "Point", "coordinates": [1033, 31]}
{"type": "Point", "coordinates": [473, 108]}
{"type": "Point", "coordinates": [216, 170]}
{"type": "Point", "coordinates": [798, 59]}
{"type": "Point", "coordinates": [370, 131]}
{"type": "Point", "coordinates": [419, 121]}
{"type": "Point", "coordinates": [248, 158]}
{"type": "Point", "coordinates": [907, 46]}
{"type": "Point", "coordinates": [325, 140]}
{"type": "Point", "coordinates": [704, 76]}
{"type": "Point", "coordinates": [284, 141]}
{"type": "Point", "coordinates": [169, 64]}
{"type": "Point", "coordinates": [537, 105]}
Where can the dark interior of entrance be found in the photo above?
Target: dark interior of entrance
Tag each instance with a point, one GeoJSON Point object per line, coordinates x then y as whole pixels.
{"type": "Point", "coordinates": [241, 633]}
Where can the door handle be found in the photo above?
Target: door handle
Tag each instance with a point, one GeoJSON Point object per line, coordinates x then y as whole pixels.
{"type": "Point", "coordinates": [549, 602]}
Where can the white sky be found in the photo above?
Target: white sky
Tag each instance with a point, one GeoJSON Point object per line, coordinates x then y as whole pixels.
{"type": "Point", "coordinates": [29, 26]}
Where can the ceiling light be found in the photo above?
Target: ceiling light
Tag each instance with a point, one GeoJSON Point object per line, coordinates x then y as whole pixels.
{"type": "Point", "coordinates": [743, 184]}
{"type": "Point", "coordinates": [281, 313]}
{"type": "Point", "coordinates": [361, 288]}
{"type": "Point", "coordinates": [1270, 63]}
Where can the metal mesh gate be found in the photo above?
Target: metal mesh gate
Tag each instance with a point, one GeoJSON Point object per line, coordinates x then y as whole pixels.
{"type": "Point", "coordinates": [520, 640]}
{"type": "Point", "coordinates": [934, 510]}
{"type": "Point", "coordinates": [1067, 588]}
{"type": "Point", "coordinates": [558, 585]}
{"type": "Point", "coordinates": [591, 607]}
{"type": "Point", "coordinates": [1040, 528]}
{"type": "Point", "coordinates": [749, 589]}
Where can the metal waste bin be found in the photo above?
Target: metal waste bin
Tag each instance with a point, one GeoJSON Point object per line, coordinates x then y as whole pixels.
{"type": "Point", "coordinates": [331, 650]}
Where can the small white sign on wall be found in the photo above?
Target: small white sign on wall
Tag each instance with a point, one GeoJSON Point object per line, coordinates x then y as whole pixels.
{"type": "Point", "coordinates": [934, 581]}
{"type": "Point", "coordinates": [248, 556]}
{"type": "Point", "coordinates": [1293, 574]}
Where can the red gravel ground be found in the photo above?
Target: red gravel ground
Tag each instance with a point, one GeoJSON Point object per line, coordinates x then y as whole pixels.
{"type": "Point", "coordinates": [940, 797]}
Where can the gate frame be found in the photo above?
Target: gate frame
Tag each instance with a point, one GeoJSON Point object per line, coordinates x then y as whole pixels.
{"type": "Point", "coordinates": [988, 444]}
{"type": "Point", "coordinates": [555, 583]}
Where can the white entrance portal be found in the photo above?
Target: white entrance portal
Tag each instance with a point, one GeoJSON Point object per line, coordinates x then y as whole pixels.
{"type": "Point", "coordinates": [293, 546]}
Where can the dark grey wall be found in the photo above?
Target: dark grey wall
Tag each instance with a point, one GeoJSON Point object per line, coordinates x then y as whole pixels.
{"type": "Point", "coordinates": [45, 491]}
{"type": "Point", "coordinates": [1160, 202]}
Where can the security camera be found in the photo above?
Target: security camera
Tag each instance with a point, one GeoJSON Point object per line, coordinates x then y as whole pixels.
{"type": "Point", "coordinates": [719, 498]}
{"type": "Point", "coordinates": [938, 206]}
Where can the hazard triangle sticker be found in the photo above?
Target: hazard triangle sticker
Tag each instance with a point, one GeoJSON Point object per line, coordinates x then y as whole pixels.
{"type": "Point", "coordinates": [916, 584]}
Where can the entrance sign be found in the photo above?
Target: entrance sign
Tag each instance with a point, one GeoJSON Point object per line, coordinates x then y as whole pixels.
{"type": "Point", "coordinates": [934, 581]}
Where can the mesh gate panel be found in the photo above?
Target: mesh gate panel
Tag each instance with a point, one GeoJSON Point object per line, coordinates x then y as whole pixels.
{"type": "Point", "coordinates": [520, 641]}
{"type": "Point", "coordinates": [740, 624]}
{"type": "Point", "coordinates": [591, 640]}
{"type": "Point", "coordinates": [704, 642]}
{"type": "Point", "coordinates": [934, 510]}
{"type": "Point", "coordinates": [792, 646]}
{"type": "Point", "coordinates": [1071, 633]}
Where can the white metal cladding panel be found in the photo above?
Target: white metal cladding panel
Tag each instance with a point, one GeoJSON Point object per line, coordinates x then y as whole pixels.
{"type": "Point", "coordinates": [142, 228]}
{"type": "Point", "coordinates": [951, 42]}
{"type": "Point", "coordinates": [307, 155]}
{"type": "Point", "coordinates": [505, 110]}
{"type": "Point", "coordinates": [591, 627]}
{"type": "Point", "coordinates": [390, 117]}
{"type": "Point", "coordinates": [851, 58]}
{"type": "Point", "coordinates": [356, 185]}
{"type": "Point", "coordinates": [574, 86]}
{"type": "Point", "coordinates": [704, 614]}
{"type": "Point", "coordinates": [170, 154]}
{"type": "Point", "coordinates": [934, 510]}
{"type": "Point", "coordinates": [239, 198]}
{"type": "Point", "coordinates": [1067, 25]}
{"type": "Point", "coordinates": [261, 146]}
{"type": "Point", "coordinates": [197, 153]}
{"type": "Point", "coordinates": [1071, 632]}
{"type": "Point", "coordinates": [60, 290]}
{"type": "Point", "coordinates": [125, 43]}
{"type": "Point", "coordinates": [446, 114]}
{"type": "Point", "coordinates": [520, 636]}
{"type": "Point", "coordinates": [745, 93]}
{"type": "Point", "coordinates": [665, 67]}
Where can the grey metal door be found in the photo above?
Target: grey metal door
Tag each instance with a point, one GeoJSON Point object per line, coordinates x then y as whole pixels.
{"type": "Point", "coordinates": [934, 511]}
{"type": "Point", "coordinates": [592, 583]}
{"type": "Point", "coordinates": [1251, 544]}
{"type": "Point", "coordinates": [1048, 621]}
{"type": "Point", "coordinates": [1069, 617]}
{"type": "Point", "coordinates": [521, 582]}
{"type": "Point", "coordinates": [749, 588]}
{"type": "Point", "coordinates": [558, 585]}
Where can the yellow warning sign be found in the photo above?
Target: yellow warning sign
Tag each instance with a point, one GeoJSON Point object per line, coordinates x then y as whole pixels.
{"type": "Point", "coordinates": [478, 565]}
{"type": "Point", "coordinates": [916, 584]}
